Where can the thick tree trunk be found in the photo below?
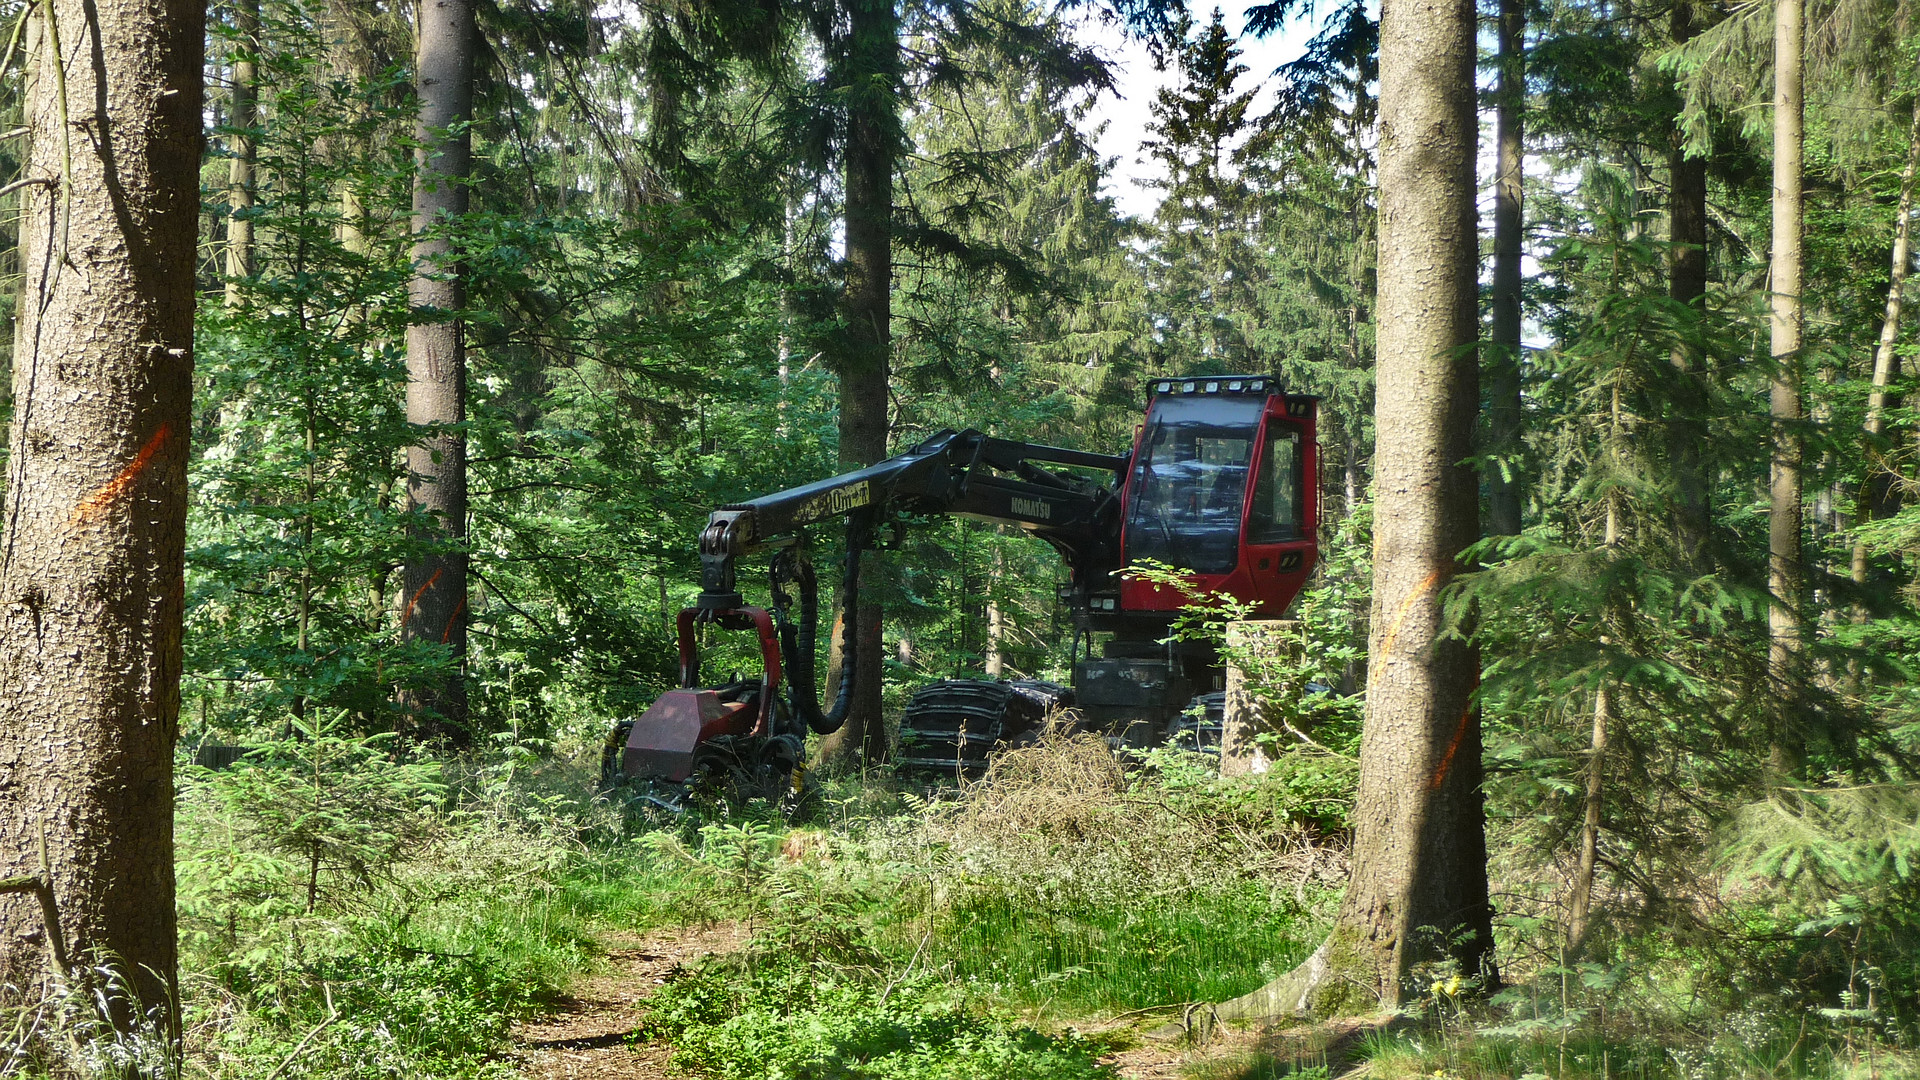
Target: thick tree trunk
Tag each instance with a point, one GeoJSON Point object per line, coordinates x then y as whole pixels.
{"type": "Point", "coordinates": [1784, 567]}
{"type": "Point", "coordinates": [1687, 284]}
{"type": "Point", "coordinates": [96, 498]}
{"type": "Point", "coordinates": [873, 101]}
{"type": "Point", "coordinates": [434, 593]}
{"type": "Point", "coordinates": [1419, 857]}
{"type": "Point", "coordinates": [1874, 495]}
{"type": "Point", "coordinates": [246, 25]}
{"type": "Point", "coordinates": [1504, 494]}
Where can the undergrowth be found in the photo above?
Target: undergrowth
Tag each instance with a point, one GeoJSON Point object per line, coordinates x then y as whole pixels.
{"type": "Point", "coordinates": [347, 913]}
{"type": "Point", "coordinates": [804, 1016]}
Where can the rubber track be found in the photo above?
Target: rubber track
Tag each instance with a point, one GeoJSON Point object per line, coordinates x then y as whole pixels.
{"type": "Point", "coordinates": [952, 727]}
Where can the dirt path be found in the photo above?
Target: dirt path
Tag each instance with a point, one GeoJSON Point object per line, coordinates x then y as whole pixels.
{"type": "Point", "coordinates": [588, 1038]}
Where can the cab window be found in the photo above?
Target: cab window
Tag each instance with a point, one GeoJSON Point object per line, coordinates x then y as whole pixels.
{"type": "Point", "coordinates": [1278, 507]}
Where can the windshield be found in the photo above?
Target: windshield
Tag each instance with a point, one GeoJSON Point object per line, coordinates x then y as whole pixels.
{"type": "Point", "coordinates": [1190, 482]}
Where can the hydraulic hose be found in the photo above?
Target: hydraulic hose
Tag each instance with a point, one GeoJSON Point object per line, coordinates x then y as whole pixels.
{"type": "Point", "coordinates": [798, 643]}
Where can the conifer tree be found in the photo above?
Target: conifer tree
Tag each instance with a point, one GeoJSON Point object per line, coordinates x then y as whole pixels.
{"type": "Point", "coordinates": [1503, 359]}
{"type": "Point", "coordinates": [1203, 270]}
{"type": "Point", "coordinates": [1418, 890]}
{"type": "Point", "coordinates": [96, 498]}
{"type": "Point", "coordinates": [434, 579]}
{"type": "Point", "coordinates": [1785, 569]}
{"type": "Point", "coordinates": [1316, 171]}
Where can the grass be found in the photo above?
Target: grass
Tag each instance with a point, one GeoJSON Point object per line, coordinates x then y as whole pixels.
{"type": "Point", "coordinates": [1117, 957]}
{"type": "Point", "coordinates": [810, 1016]}
{"type": "Point", "coordinates": [1587, 1052]}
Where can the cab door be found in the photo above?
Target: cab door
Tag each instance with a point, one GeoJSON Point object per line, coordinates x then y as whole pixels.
{"type": "Point", "coordinates": [1278, 538]}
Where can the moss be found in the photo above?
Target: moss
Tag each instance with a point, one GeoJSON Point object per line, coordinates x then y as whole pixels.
{"type": "Point", "coordinates": [1344, 986]}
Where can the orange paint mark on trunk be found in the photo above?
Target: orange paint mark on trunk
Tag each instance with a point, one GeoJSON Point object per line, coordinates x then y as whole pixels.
{"type": "Point", "coordinates": [406, 615]}
{"type": "Point", "coordinates": [447, 634]}
{"type": "Point", "coordinates": [1446, 759]}
{"type": "Point", "coordinates": [93, 506]}
{"type": "Point", "coordinates": [1393, 632]}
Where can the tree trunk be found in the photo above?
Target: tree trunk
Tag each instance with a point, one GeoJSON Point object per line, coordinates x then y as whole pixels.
{"type": "Point", "coordinates": [246, 25]}
{"type": "Point", "coordinates": [873, 123]}
{"type": "Point", "coordinates": [996, 651]}
{"type": "Point", "coordinates": [1419, 855]}
{"type": "Point", "coordinates": [1580, 904]}
{"type": "Point", "coordinates": [1687, 284]}
{"type": "Point", "coordinates": [1874, 496]}
{"type": "Point", "coordinates": [1241, 720]}
{"type": "Point", "coordinates": [1784, 570]}
{"type": "Point", "coordinates": [1504, 493]}
{"type": "Point", "coordinates": [435, 590]}
{"type": "Point", "coordinates": [91, 581]}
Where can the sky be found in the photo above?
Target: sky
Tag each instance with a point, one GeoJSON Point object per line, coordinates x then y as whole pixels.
{"type": "Point", "coordinates": [1126, 116]}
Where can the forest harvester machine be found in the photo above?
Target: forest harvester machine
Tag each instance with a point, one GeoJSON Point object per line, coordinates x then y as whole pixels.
{"type": "Point", "coordinates": [1220, 484]}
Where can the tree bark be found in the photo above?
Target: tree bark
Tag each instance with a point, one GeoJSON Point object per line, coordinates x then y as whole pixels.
{"type": "Point", "coordinates": [91, 583]}
{"type": "Point", "coordinates": [1784, 563]}
{"type": "Point", "coordinates": [1580, 904]}
{"type": "Point", "coordinates": [996, 651]}
{"type": "Point", "coordinates": [1241, 721]}
{"type": "Point", "coordinates": [435, 581]}
{"type": "Point", "coordinates": [246, 25]}
{"type": "Point", "coordinates": [1504, 494]}
{"type": "Point", "coordinates": [1874, 495]}
{"type": "Point", "coordinates": [1419, 886]}
{"type": "Point", "coordinates": [1687, 284]}
{"type": "Point", "coordinates": [867, 306]}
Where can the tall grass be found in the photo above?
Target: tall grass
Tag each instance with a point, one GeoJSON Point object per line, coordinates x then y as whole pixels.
{"type": "Point", "coordinates": [1118, 957]}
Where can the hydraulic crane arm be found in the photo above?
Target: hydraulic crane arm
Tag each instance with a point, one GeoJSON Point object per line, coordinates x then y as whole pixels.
{"type": "Point", "coordinates": [964, 473]}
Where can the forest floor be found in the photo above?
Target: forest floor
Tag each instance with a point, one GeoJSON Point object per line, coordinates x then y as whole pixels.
{"type": "Point", "coordinates": [596, 1032]}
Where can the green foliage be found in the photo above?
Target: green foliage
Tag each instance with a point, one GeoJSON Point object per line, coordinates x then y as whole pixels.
{"type": "Point", "coordinates": [1539, 1040]}
{"type": "Point", "coordinates": [1205, 268]}
{"type": "Point", "coordinates": [1208, 944]}
{"type": "Point", "coordinates": [1841, 861]}
{"type": "Point", "coordinates": [339, 805]}
{"type": "Point", "coordinates": [654, 264]}
{"type": "Point", "coordinates": [1073, 882]}
{"type": "Point", "coordinates": [435, 927]}
{"type": "Point", "coordinates": [808, 1021]}
{"type": "Point", "coordinates": [297, 511]}
{"type": "Point", "coordinates": [1305, 687]}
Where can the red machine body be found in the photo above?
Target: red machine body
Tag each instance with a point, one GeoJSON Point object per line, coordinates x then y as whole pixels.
{"type": "Point", "coordinates": [663, 740]}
